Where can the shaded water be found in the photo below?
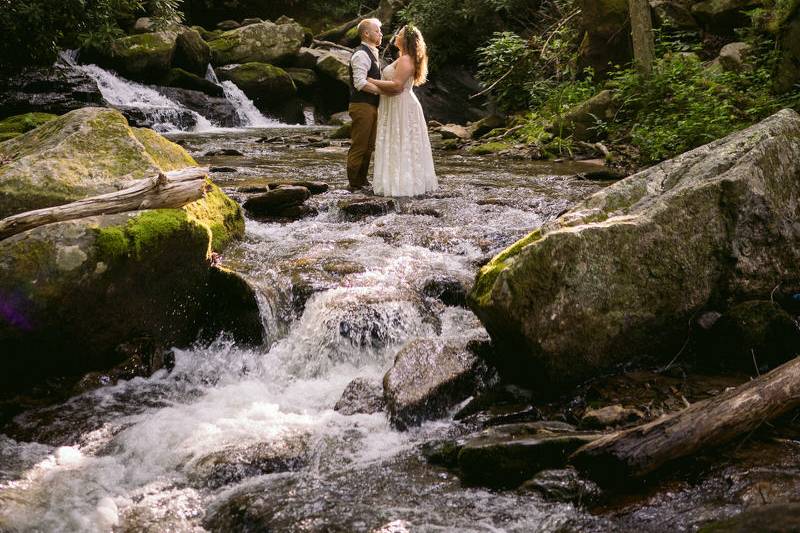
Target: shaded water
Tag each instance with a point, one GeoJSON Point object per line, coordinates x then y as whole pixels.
{"type": "Point", "coordinates": [247, 439]}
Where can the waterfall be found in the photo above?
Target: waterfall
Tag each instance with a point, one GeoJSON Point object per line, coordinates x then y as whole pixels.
{"type": "Point", "coordinates": [164, 114]}
{"type": "Point", "coordinates": [245, 109]}
{"type": "Point", "coordinates": [211, 75]}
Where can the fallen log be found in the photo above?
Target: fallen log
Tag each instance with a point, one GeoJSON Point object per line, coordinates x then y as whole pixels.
{"type": "Point", "coordinates": [173, 189]}
{"type": "Point", "coordinates": [638, 451]}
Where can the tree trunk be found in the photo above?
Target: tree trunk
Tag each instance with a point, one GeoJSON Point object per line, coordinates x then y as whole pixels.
{"type": "Point", "coordinates": [639, 451]}
{"type": "Point", "coordinates": [644, 49]}
{"type": "Point", "coordinates": [173, 189]}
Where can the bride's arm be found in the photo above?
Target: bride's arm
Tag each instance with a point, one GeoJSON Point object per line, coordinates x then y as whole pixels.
{"type": "Point", "coordinates": [403, 71]}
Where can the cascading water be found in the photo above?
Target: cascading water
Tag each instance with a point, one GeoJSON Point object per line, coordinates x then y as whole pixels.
{"type": "Point", "coordinates": [231, 428]}
{"type": "Point", "coordinates": [249, 115]}
{"type": "Point", "coordinates": [161, 113]}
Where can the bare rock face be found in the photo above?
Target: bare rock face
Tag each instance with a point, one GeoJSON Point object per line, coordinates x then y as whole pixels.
{"type": "Point", "coordinates": [429, 377]}
{"type": "Point", "coordinates": [361, 396]}
{"type": "Point", "coordinates": [621, 274]}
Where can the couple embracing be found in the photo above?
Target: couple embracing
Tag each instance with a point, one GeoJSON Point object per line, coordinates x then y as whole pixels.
{"type": "Point", "coordinates": [387, 117]}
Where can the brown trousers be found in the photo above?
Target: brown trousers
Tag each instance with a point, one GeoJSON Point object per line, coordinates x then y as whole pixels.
{"type": "Point", "coordinates": [362, 137]}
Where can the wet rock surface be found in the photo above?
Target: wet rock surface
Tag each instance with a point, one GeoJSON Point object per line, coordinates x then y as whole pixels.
{"type": "Point", "coordinates": [429, 377]}
{"type": "Point", "coordinates": [361, 396]}
{"type": "Point", "coordinates": [661, 232]}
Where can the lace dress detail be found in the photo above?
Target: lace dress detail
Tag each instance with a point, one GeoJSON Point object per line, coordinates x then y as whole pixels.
{"type": "Point", "coordinates": [403, 159]}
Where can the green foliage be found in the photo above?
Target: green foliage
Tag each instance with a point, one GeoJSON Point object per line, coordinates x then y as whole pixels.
{"type": "Point", "coordinates": [684, 105]}
{"type": "Point", "coordinates": [34, 30]}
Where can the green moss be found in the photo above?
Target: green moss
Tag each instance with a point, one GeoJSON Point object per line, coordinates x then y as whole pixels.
{"type": "Point", "coordinates": [112, 243]}
{"type": "Point", "coordinates": [488, 273]}
{"type": "Point", "coordinates": [220, 215]}
{"type": "Point", "coordinates": [352, 34]}
{"type": "Point", "coordinates": [166, 154]}
{"type": "Point", "coordinates": [140, 234]}
{"type": "Point", "coordinates": [22, 123]}
{"type": "Point", "coordinates": [7, 136]}
{"type": "Point", "coordinates": [489, 148]}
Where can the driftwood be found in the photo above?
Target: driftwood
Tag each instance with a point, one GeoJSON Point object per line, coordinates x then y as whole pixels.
{"type": "Point", "coordinates": [173, 189]}
{"type": "Point", "coordinates": [641, 450]}
{"type": "Point", "coordinates": [327, 44]}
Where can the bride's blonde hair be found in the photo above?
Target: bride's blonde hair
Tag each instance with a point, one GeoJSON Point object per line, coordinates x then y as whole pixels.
{"type": "Point", "coordinates": [415, 47]}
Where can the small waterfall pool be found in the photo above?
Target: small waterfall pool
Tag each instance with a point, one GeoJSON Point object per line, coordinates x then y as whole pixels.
{"type": "Point", "coordinates": [176, 451]}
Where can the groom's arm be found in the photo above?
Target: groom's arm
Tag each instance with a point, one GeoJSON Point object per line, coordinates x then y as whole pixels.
{"type": "Point", "coordinates": [360, 64]}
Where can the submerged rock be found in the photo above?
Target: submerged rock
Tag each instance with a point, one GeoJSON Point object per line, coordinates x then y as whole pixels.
{"type": "Point", "coordinates": [621, 274]}
{"type": "Point", "coordinates": [361, 396]}
{"type": "Point", "coordinates": [564, 485]}
{"type": "Point", "coordinates": [236, 462]}
{"type": "Point", "coordinates": [505, 456]}
{"type": "Point", "coordinates": [769, 518]}
{"type": "Point", "coordinates": [364, 206]}
{"type": "Point", "coordinates": [276, 201]}
{"type": "Point", "coordinates": [430, 376]}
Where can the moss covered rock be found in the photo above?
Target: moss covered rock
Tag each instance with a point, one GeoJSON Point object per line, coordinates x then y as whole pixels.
{"type": "Point", "coordinates": [264, 43]}
{"type": "Point", "coordinates": [191, 52]}
{"type": "Point", "coordinates": [580, 121]}
{"type": "Point", "coordinates": [264, 83]}
{"type": "Point", "coordinates": [724, 16]}
{"type": "Point", "coordinates": [620, 275]}
{"type": "Point", "coordinates": [83, 153]}
{"type": "Point", "coordinates": [19, 124]}
{"type": "Point", "coordinates": [61, 284]}
{"type": "Point", "coordinates": [144, 56]}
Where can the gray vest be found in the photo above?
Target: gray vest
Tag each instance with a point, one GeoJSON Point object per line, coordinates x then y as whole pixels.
{"type": "Point", "coordinates": [374, 73]}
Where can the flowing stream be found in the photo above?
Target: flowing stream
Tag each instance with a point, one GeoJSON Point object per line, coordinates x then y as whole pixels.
{"type": "Point", "coordinates": [246, 439]}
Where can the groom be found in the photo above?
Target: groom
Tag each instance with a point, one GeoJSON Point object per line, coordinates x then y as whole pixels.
{"type": "Point", "coordinates": [363, 108]}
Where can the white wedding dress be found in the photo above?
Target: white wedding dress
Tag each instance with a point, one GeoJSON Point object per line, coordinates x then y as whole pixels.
{"type": "Point", "coordinates": [403, 159]}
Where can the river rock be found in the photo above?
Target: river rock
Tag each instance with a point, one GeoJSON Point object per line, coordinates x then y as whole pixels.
{"type": "Point", "coordinates": [17, 125]}
{"type": "Point", "coordinates": [303, 78]}
{"type": "Point", "coordinates": [448, 290]}
{"type": "Point", "coordinates": [227, 25]}
{"type": "Point", "coordinates": [177, 77]}
{"type": "Point", "coordinates": [612, 415]}
{"type": "Point", "coordinates": [361, 396]}
{"type": "Point", "coordinates": [579, 121]}
{"type": "Point", "coordinates": [334, 64]}
{"type": "Point", "coordinates": [505, 456]}
{"type": "Point", "coordinates": [674, 14]}
{"type": "Point", "coordinates": [429, 376]}
{"type": "Point", "coordinates": [364, 206]}
{"type": "Point", "coordinates": [265, 84]}
{"type": "Point", "coordinates": [58, 162]}
{"type": "Point", "coordinates": [454, 131]}
{"type": "Point", "coordinates": [254, 20]}
{"type": "Point", "coordinates": [237, 462]}
{"type": "Point", "coordinates": [276, 200]}
{"type": "Point", "coordinates": [57, 90]}
{"type": "Point", "coordinates": [768, 518]}
{"type": "Point", "coordinates": [723, 16]}
{"type": "Point", "coordinates": [154, 261]}
{"type": "Point", "coordinates": [621, 273]}
{"type": "Point", "coordinates": [218, 110]}
{"type": "Point", "coordinates": [563, 485]}
{"type": "Point", "coordinates": [191, 52]}
{"type": "Point", "coordinates": [340, 119]}
{"type": "Point", "coordinates": [732, 56]}
{"type": "Point", "coordinates": [262, 43]}
{"type": "Point", "coordinates": [146, 56]}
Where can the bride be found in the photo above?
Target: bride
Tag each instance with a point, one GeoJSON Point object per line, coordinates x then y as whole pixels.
{"type": "Point", "coordinates": [403, 159]}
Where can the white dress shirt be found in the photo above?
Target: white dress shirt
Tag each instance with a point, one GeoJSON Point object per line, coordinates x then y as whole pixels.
{"type": "Point", "coordinates": [361, 63]}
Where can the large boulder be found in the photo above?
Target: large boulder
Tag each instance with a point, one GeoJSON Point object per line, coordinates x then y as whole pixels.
{"type": "Point", "coordinates": [430, 376]}
{"type": "Point", "coordinates": [264, 43]}
{"type": "Point", "coordinates": [191, 52]}
{"type": "Point", "coordinates": [724, 16]}
{"type": "Point", "coordinates": [674, 14]}
{"type": "Point", "coordinates": [61, 284]}
{"type": "Point", "coordinates": [145, 56]}
{"type": "Point", "coordinates": [83, 153]}
{"type": "Point", "coordinates": [265, 84]}
{"type": "Point", "coordinates": [580, 121]}
{"type": "Point", "coordinates": [620, 275]}
{"type": "Point", "coordinates": [57, 89]}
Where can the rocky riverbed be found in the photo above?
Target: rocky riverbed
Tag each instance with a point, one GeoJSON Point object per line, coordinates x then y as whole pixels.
{"type": "Point", "coordinates": [261, 438]}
